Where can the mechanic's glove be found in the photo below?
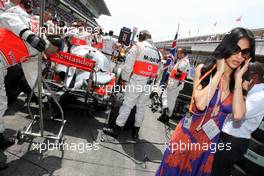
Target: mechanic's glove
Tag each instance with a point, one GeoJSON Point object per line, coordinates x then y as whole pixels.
{"type": "Point", "coordinates": [36, 42]}
{"type": "Point", "coordinates": [55, 40]}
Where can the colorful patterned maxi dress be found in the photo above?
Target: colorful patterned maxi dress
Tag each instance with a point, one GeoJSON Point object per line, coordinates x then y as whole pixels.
{"type": "Point", "coordinates": [195, 160]}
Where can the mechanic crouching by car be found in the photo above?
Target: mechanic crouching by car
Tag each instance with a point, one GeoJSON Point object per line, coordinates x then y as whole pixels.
{"type": "Point", "coordinates": [175, 84]}
{"type": "Point", "coordinates": [14, 50]}
{"type": "Point", "coordinates": [12, 30]}
{"type": "Point", "coordinates": [140, 70]}
{"type": "Point", "coordinates": [18, 44]}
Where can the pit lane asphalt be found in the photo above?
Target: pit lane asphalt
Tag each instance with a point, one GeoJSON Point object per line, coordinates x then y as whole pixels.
{"type": "Point", "coordinates": [111, 158]}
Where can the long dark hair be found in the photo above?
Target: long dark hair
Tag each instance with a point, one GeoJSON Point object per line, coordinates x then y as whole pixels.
{"type": "Point", "coordinates": [225, 49]}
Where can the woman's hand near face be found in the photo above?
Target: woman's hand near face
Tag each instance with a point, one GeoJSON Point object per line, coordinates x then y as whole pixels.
{"type": "Point", "coordinates": [238, 103]}
{"type": "Point", "coordinates": [241, 71]}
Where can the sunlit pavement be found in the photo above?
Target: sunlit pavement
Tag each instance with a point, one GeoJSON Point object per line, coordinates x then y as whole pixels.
{"type": "Point", "coordinates": [89, 151]}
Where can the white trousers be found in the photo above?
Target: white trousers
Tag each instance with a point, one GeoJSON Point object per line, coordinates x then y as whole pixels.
{"type": "Point", "coordinates": [132, 98]}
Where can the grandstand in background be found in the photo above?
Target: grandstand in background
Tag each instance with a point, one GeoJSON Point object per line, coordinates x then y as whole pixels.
{"type": "Point", "coordinates": [70, 10]}
{"type": "Point", "coordinates": [206, 44]}
{"type": "Point", "coordinates": [258, 33]}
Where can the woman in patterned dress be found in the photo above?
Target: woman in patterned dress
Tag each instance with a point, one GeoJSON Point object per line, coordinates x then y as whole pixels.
{"type": "Point", "coordinates": [217, 92]}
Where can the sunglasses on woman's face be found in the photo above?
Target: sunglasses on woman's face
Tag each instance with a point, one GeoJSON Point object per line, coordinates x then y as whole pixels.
{"type": "Point", "coordinates": [245, 53]}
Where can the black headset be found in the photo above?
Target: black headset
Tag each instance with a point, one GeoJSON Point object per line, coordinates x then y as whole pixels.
{"type": "Point", "coordinates": [143, 36]}
{"type": "Point", "coordinates": [27, 3]}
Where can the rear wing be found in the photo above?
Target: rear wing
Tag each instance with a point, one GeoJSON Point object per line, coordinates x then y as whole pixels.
{"type": "Point", "coordinates": [71, 60]}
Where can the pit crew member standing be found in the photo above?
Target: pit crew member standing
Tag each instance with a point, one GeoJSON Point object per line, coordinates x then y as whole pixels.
{"type": "Point", "coordinates": [175, 84]}
{"type": "Point", "coordinates": [140, 69]}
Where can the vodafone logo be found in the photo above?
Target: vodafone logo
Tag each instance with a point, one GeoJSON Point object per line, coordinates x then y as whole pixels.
{"type": "Point", "coordinates": [150, 67]}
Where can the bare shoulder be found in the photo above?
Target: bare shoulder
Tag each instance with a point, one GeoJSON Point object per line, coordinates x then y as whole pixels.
{"type": "Point", "coordinates": [199, 67]}
{"type": "Point", "coordinates": [198, 70]}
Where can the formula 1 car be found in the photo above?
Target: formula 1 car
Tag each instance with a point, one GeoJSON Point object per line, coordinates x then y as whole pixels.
{"type": "Point", "coordinates": [87, 78]}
